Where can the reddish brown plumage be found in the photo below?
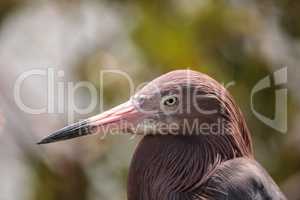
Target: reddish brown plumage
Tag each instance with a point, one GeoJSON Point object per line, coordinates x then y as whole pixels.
{"type": "Point", "coordinates": [165, 165]}
{"type": "Point", "coordinates": [184, 163]}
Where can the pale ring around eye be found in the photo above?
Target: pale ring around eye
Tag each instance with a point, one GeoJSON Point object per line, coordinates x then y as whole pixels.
{"type": "Point", "coordinates": [170, 100]}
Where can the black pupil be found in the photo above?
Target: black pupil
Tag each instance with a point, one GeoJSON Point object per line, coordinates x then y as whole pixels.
{"type": "Point", "coordinates": [171, 101]}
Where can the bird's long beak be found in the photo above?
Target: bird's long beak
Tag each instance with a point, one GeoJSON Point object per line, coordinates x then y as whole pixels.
{"type": "Point", "coordinates": [120, 118]}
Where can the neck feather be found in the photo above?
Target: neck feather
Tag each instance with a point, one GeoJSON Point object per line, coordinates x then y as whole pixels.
{"type": "Point", "coordinates": [169, 165]}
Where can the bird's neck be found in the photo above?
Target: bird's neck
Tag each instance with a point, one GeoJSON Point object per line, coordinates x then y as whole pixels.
{"type": "Point", "coordinates": [164, 166]}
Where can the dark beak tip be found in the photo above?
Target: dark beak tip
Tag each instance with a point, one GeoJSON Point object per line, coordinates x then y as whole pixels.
{"type": "Point", "coordinates": [69, 132]}
{"type": "Point", "coordinates": [43, 141]}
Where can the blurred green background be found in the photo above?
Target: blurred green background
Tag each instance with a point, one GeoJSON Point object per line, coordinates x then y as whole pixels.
{"type": "Point", "coordinates": [234, 40]}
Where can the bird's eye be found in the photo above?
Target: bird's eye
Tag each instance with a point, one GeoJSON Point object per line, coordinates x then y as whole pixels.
{"type": "Point", "coordinates": [170, 101]}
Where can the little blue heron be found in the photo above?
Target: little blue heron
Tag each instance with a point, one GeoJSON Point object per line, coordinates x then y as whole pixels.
{"type": "Point", "coordinates": [196, 144]}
